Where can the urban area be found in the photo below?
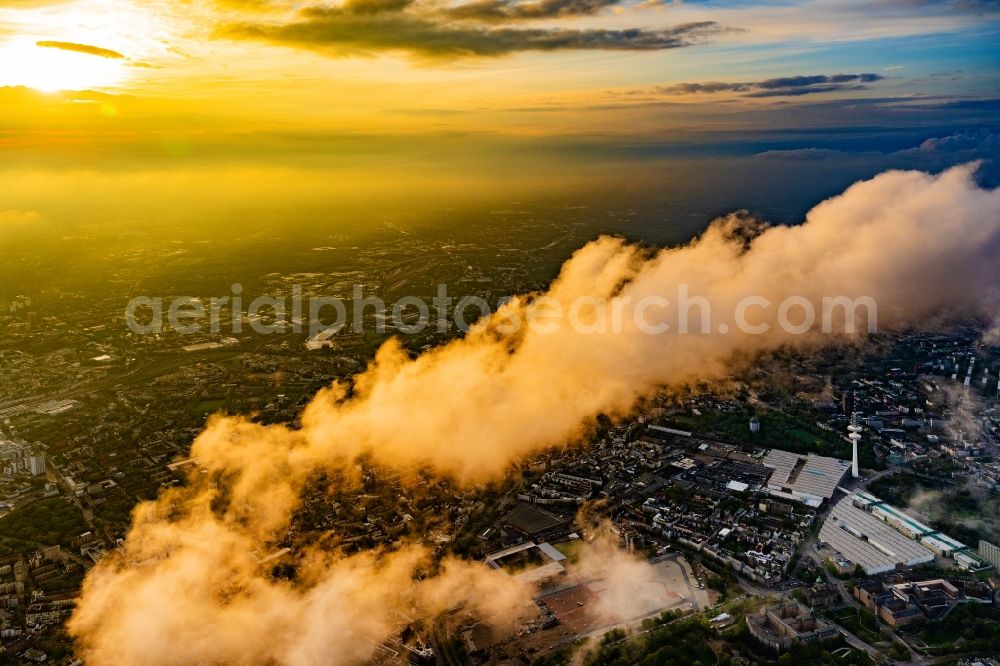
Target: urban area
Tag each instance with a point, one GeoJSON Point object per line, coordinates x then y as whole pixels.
{"type": "Point", "coordinates": [836, 508]}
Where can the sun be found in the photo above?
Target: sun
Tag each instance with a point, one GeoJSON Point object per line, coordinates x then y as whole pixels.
{"type": "Point", "coordinates": [24, 63]}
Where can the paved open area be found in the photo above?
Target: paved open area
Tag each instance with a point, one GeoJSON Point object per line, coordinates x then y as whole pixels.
{"type": "Point", "coordinates": [582, 608]}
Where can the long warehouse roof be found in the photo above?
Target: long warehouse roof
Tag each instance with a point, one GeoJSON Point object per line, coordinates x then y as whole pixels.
{"type": "Point", "coordinates": [866, 540]}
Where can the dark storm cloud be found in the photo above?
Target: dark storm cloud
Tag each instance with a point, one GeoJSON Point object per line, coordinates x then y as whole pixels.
{"type": "Point", "coordinates": [81, 48]}
{"type": "Point", "coordinates": [365, 26]}
{"type": "Point", "coordinates": [788, 86]}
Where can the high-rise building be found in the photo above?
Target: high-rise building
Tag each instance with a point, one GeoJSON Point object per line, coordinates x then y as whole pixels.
{"type": "Point", "coordinates": [847, 404]}
{"type": "Point", "coordinates": [990, 553]}
{"type": "Point", "coordinates": [36, 464]}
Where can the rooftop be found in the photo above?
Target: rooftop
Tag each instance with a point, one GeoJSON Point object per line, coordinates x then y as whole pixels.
{"type": "Point", "coordinates": [816, 476]}
{"type": "Point", "coordinates": [866, 540]}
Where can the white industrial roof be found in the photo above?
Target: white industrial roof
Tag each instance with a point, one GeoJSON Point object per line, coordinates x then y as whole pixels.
{"type": "Point", "coordinates": [812, 475]}
{"type": "Point", "coordinates": [551, 552]}
{"type": "Point", "coordinates": [866, 540]}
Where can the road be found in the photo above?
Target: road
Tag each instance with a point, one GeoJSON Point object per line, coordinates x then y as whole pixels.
{"type": "Point", "coordinates": [809, 550]}
{"type": "Point", "coordinates": [915, 658]}
{"type": "Point", "coordinates": [859, 644]}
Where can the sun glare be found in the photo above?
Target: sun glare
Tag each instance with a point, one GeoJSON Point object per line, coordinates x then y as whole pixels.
{"type": "Point", "coordinates": [23, 63]}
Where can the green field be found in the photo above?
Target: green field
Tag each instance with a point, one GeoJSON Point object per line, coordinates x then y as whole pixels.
{"type": "Point", "coordinates": [859, 622]}
{"type": "Point", "coordinates": [206, 406]}
{"type": "Point", "coordinates": [571, 549]}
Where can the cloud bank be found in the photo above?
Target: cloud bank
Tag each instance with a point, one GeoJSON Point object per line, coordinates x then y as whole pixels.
{"type": "Point", "coordinates": [20, 224]}
{"type": "Point", "coordinates": [80, 48]}
{"type": "Point", "coordinates": [188, 587]}
{"type": "Point", "coordinates": [508, 10]}
{"type": "Point", "coordinates": [786, 86]}
{"type": "Point", "coordinates": [357, 27]}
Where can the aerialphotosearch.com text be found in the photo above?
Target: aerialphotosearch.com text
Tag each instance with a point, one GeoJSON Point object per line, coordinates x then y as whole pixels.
{"type": "Point", "coordinates": [678, 312]}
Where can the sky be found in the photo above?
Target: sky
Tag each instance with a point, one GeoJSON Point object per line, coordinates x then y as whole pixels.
{"type": "Point", "coordinates": [536, 68]}
{"type": "Point", "coordinates": [476, 95]}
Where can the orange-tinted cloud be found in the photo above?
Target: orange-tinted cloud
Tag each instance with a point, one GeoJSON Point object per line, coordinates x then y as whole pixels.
{"type": "Point", "coordinates": [80, 48]}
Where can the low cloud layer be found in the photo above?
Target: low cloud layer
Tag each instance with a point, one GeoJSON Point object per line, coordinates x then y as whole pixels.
{"type": "Point", "coordinates": [20, 224]}
{"type": "Point", "coordinates": [187, 587]}
{"type": "Point", "coordinates": [628, 585]}
{"type": "Point", "coordinates": [936, 153]}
